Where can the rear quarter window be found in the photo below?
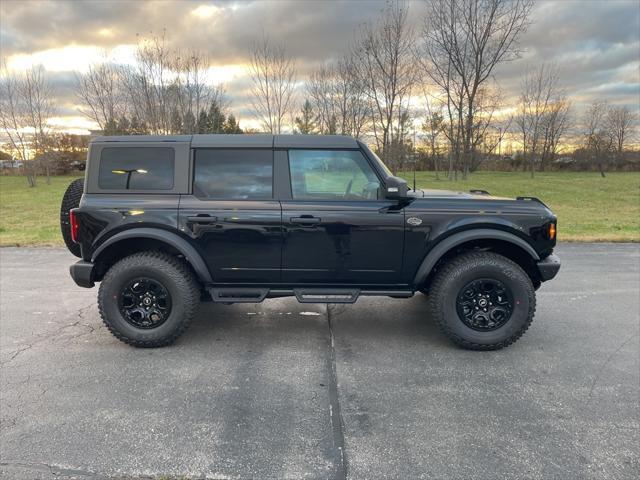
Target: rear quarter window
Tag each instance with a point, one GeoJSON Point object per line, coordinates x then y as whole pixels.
{"type": "Point", "coordinates": [136, 168]}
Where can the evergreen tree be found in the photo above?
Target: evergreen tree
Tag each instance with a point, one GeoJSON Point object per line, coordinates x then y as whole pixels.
{"type": "Point", "coordinates": [305, 124]}
{"type": "Point", "coordinates": [333, 126]}
{"type": "Point", "coordinates": [176, 121]}
{"type": "Point", "coordinates": [215, 118]}
{"type": "Point", "coordinates": [232, 125]}
{"type": "Point", "coordinates": [124, 127]}
{"type": "Point", "coordinates": [136, 127]}
{"type": "Point", "coordinates": [189, 123]}
{"type": "Point", "coordinates": [111, 127]}
{"type": "Point", "coordinates": [201, 126]}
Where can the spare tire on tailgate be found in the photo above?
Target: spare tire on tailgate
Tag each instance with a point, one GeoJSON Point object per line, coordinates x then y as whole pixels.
{"type": "Point", "coordinates": [71, 199]}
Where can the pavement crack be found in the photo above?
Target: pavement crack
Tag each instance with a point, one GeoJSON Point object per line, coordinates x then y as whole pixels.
{"type": "Point", "coordinates": [80, 313]}
{"type": "Point", "coordinates": [335, 415]}
{"type": "Point", "coordinates": [604, 364]}
{"type": "Point", "coordinates": [13, 355]}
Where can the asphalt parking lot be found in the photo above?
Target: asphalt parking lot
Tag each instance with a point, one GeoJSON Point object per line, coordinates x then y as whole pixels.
{"type": "Point", "coordinates": [284, 390]}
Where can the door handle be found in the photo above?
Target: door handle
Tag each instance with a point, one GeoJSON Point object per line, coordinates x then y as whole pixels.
{"type": "Point", "coordinates": [202, 219]}
{"type": "Point", "coordinates": [309, 220]}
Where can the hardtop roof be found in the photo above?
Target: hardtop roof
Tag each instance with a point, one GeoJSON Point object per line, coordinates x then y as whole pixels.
{"type": "Point", "coordinates": [240, 140]}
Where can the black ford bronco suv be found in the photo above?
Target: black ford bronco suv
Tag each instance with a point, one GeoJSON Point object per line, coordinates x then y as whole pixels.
{"type": "Point", "coordinates": [165, 221]}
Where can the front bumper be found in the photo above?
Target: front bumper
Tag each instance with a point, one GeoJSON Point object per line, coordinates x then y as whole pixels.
{"type": "Point", "coordinates": [549, 267]}
{"type": "Point", "coordinates": [82, 273]}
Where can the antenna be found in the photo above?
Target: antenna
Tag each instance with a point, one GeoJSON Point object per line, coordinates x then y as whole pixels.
{"type": "Point", "coordinates": [415, 157]}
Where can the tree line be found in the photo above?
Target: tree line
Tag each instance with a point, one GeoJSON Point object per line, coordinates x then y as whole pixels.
{"type": "Point", "coordinates": [396, 85]}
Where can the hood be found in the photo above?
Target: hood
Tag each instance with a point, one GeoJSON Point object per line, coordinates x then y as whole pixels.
{"type": "Point", "coordinates": [473, 194]}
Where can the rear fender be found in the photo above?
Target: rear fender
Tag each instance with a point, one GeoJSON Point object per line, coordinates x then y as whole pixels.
{"type": "Point", "coordinates": [171, 239]}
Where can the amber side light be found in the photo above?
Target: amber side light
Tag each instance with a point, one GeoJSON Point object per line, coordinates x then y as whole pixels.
{"type": "Point", "coordinates": [552, 231]}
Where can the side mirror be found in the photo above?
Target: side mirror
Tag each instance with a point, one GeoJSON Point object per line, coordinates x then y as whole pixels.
{"type": "Point", "coordinates": [395, 188]}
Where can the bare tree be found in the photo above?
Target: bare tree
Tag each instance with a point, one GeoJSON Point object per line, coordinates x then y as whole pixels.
{"type": "Point", "coordinates": [25, 109]}
{"type": "Point", "coordinates": [13, 116]}
{"type": "Point", "coordinates": [620, 121]}
{"type": "Point", "coordinates": [386, 68]}
{"type": "Point", "coordinates": [464, 40]}
{"type": "Point", "coordinates": [100, 90]}
{"type": "Point", "coordinates": [540, 96]}
{"type": "Point", "coordinates": [599, 140]}
{"type": "Point", "coordinates": [339, 99]}
{"type": "Point", "coordinates": [38, 95]}
{"type": "Point", "coordinates": [555, 125]}
{"type": "Point", "coordinates": [165, 91]}
{"type": "Point", "coordinates": [273, 75]}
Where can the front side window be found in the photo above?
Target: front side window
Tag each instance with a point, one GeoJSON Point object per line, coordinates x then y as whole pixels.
{"type": "Point", "coordinates": [136, 168]}
{"type": "Point", "coordinates": [233, 174]}
{"type": "Point", "coordinates": [332, 175]}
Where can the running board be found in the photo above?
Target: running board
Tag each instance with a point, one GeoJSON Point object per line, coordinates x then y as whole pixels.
{"type": "Point", "coordinates": [303, 295]}
{"type": "Point", "coordinates": [320, 295]}
{"type": "Point", "coordinates": [238, 295]}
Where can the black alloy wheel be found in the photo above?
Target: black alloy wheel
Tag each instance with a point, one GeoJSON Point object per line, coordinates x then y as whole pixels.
{"type": "Point", "coordinates": [145, 303]}
{"type": "Point", "coordinates": [485, 304]}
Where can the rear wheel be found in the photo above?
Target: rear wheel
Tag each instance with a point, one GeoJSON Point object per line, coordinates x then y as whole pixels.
{"type": "Point", "coordinates": [148, 299]}
{"type": "Point", "coordinates": [70, 199]}
{"type": "Point", "coordinates": [482, 301]}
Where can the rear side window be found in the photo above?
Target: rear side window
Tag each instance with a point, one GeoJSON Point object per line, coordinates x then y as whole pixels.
{"type": "Point", "coordinates": [136, 168]}
{"type": "Point", "coordinates": [233, 174]}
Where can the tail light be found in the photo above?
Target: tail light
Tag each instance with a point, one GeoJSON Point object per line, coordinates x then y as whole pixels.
{"type": "Point", "coordinates": [73, 222]}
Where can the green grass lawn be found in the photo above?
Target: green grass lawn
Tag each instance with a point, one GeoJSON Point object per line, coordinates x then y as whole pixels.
{"type": "Point", "coordinates": [589, 208]}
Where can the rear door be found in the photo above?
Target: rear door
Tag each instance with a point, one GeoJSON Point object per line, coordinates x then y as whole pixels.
{"type": "Point", "coordinates": [232, 216]}
{"type": "Point", "coordinates": [336, 228]}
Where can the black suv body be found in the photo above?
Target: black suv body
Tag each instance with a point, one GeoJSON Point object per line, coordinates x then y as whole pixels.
{"type": "Point", "coordinates": [248, 217]}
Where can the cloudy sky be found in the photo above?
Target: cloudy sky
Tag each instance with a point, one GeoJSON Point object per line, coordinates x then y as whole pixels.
{"type": "Point", "coordinates": [596, 43]}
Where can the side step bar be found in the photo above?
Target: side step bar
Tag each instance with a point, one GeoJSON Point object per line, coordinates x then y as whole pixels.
{"type": "Point", "coordinates": [313, 295]}
{"type": "Point", "coordinates": [238, 295]}
{"type": "Point", "coordinates": [303, 295]}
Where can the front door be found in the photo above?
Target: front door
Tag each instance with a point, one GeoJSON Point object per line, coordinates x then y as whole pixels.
{"type": "Point", "coordinates": [232, 215]}
{"type": "Point", "coordinates": [336, 228]}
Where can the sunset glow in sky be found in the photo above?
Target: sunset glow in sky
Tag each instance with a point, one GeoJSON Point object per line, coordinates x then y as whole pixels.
{"type": "Point", "coordinates": [595, 43]}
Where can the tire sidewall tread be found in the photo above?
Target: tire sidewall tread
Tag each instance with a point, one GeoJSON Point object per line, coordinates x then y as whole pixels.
{"type": "Point", "coordinates": [176, 278]}
{"type": "Point", "coordinates": [458, 272]}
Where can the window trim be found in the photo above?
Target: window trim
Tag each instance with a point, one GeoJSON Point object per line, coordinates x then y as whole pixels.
{"type": "Point", "coordinates": [180, 174]}
{"type": "Point", "coordinates": [332, 200]}
{"type": "Point", "coordinates": [192, 180]}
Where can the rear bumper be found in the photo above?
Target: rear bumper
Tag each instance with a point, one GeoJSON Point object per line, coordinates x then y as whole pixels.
{"type": "Point", "coordinates": [82, 273]}
{"type": "Point", "coordinates": [549, 267]}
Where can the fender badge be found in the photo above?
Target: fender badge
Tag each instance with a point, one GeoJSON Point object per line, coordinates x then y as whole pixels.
{"type": "Point", "coordinates": [413, 221]}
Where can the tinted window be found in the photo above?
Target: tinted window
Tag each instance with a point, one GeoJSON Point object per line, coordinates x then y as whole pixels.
{"type": "Point", "coordinates": [233, 174]}
{"type": "Point", "coordinates": [331, 175]}
{"type": "Point", "coordinates": [136, 168]}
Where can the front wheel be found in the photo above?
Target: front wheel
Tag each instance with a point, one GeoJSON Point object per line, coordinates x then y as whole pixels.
{"type": "Point", "coordinates": [482, 301]}
{"type": "Point", "coordinates": [148, 299]}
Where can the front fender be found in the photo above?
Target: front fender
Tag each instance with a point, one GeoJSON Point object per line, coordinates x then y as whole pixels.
{"type": "Point", "coordinates": [441, 248]}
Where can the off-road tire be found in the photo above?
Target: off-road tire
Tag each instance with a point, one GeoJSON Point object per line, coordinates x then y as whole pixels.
{"type": "Point", "coordinates": [70, 199]}
{"type": "Point", "coordinates": [461, 270]}
{"type": "Point", "coordinates": [173, 274]}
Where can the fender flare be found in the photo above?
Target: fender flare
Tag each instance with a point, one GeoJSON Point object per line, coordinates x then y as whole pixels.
{"type": "Point", "coordinates": [175, 241]}
{"type": "Point", "coordinates": [456, 239]}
